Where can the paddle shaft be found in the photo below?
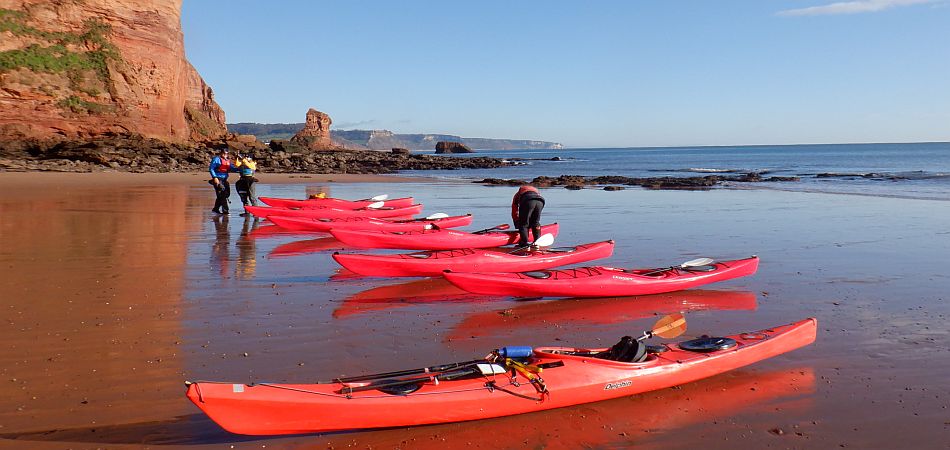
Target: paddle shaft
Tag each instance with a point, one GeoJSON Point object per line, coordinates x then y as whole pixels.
{"type": "Point", "coordinates": [400, 373]}
{"type": "Point", "coordinates": [440, 377]}
{"type": "Point", "coordinates": [503, 226]}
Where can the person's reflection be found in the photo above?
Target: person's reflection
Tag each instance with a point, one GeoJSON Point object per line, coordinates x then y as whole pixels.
{"type": "Point", "coordinates": [247, 250]}
{"type": "Point", "coordinates": [220, 250]}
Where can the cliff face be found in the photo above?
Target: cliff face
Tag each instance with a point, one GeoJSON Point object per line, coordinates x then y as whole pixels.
{"type": "Point", "coordinates": [81, 68]}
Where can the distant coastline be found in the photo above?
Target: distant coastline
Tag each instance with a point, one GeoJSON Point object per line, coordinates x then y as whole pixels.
{"type": "Point", "coordinates": [385, 139]}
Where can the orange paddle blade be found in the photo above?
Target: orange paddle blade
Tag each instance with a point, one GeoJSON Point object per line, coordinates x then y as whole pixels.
{"type": "Point", "coordinates": [670, 326]}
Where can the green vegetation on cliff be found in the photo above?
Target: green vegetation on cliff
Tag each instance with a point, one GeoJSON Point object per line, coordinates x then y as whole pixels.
{"type": "Point", "coordinates": [60, 55]}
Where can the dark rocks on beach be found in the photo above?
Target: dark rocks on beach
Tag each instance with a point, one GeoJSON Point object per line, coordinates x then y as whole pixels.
{"type": "Point", "coordinates": [132, 153]}
{"type": "Point", "coordinates": [614, 188]}
{"type": "Point", "coordinates": [612, 182]}
{"type": "Point", "coordinates": [452, 147]}
{"type": "Point", "coordinates": [400, 151]}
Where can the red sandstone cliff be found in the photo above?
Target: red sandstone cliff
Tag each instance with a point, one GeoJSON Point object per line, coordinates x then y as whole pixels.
{"type": "Point", "coordinates": [76, 69]}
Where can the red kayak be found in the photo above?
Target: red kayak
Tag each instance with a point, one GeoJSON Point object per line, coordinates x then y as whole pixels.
{"type": "Point", "coordinates": [431, 239]}
{"type": "Point", "coordinates": [334, 202]}
{"type": "Point", "coordinates": [601, 281]}
{"type": "Point", "coordinates": [528, 380]}
{"type": "Point", "coordinates": [433, 263]}
{"type": "Point", "coordinates": [368, 223]}
{"type": "Point", "coordinates": [325, 212]}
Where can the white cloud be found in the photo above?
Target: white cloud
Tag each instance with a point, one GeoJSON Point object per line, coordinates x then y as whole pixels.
{"type": "Point", "coordinates": [853, 7]}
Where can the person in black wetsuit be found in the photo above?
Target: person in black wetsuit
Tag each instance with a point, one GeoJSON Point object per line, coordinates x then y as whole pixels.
{"type": "Point", "coordinates": [526, 209]}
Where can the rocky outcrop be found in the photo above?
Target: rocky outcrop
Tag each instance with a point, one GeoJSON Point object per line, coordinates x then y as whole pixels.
{"type": "Point", "coordinates": [385, 139]}
{"type": "Point", "coordinates": [617, 182]}
{"type": "Point", "coordinates": [452, 147]}
{"type": "Point", "coordinates": [315, 134]}
{"type": "Point", "coordinates": [134, 153]}
{"type": "Point", "coordinates": [81, 69]}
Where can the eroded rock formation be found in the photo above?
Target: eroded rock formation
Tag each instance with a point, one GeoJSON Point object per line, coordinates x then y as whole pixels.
{"type": "Point", "coordinates": [80, 69]}
{"type": "Point", "coordinates": [315, 134]}
{"type": "Point", "coordinates": [452, 147]}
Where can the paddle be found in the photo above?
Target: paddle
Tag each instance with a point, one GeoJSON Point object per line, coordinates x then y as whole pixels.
{"type": "Point", "coordinates": [439, 368]}
{"type": "Point", "coordinates": [379, 197]}
{"type": "Point", "coordinates": [483, 368]}
{"type": "Point", "coordinates": [667, 327]}
{"type": "Point", "coordinates": [438, 215]}
{"type": "Point", "coordinates": [376, 205]}
{"type": "Point", "coordinates": [546, 240]}
{"type": "Point", "coordinates": [503, 226]}
{"type": "Point", "coordinates": [686, 265]}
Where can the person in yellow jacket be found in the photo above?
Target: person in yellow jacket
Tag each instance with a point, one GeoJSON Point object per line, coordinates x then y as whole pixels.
{"type": "Point", "coordinates": [246, 166]}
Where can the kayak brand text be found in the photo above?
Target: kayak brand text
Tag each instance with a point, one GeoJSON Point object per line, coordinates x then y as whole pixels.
{"type": "Point", "coordinates": [617, 385]}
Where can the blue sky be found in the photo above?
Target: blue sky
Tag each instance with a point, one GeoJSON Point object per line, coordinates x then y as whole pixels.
{"type": "Point", "coordinates": [610, 74]}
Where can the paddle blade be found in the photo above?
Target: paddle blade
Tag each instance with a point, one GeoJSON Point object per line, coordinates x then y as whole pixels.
{"type": "Point", "coordinates": [546, 240]}
{"type": "Point", "coordinates": [379, 197]}
{"type": "Point", "coordinates": [670, 326]}
{"type": "Point", "coordinates": [503, 226]}
{"type": "Point", "coordinates": [438, 215]}
{"type": "Point", "coordinates": [698, 262]}
{"type": "Point", "coordinates": [376, 205]}
{"type": "Point", "coordinates": [491, 369]}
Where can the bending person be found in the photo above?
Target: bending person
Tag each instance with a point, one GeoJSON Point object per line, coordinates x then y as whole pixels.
{"type": "Point", "coordinates": [526, 209]}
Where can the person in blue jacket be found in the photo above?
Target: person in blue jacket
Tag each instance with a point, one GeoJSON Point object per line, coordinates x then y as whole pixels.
{"type": "Point", "coordinates": [220, 168]}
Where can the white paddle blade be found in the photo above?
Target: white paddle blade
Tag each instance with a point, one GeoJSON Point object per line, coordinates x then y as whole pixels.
{"type": "Point", "coordinates": [379, 197]}
{"type": "Point", "coordinates": [491, 369]}
{"type": "Point", "coordinates": [546, 240]}
{"type": "Point", "coordinates": [698, 262]}
{"type": "Point", "coordinates": [376, 205]}
{"type": "Point", "coordinates": [438, 215]}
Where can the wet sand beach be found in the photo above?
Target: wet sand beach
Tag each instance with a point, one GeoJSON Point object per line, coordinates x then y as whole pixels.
{"type": "Point", "coordinates": [119, 287]}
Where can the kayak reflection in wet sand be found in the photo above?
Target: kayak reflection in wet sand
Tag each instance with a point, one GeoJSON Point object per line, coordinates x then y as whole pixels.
{"type": "Point", "coordinates": [599, 311]}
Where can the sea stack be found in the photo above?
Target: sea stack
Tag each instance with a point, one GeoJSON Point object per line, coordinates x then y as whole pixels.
{"type": "Point", "coordinates": [315, 134]}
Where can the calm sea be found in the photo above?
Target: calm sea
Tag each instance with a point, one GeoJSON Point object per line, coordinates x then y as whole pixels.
{"type": "Point", "coordinates": [915, 170]}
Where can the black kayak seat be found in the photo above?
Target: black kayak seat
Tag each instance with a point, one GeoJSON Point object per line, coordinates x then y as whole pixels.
{"type": "Point", "coordinates": [627, 350]}
{"type": "Point", "coordinates": [706, 344]}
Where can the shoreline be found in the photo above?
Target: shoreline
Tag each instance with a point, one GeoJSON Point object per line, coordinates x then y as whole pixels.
{"type": "Point", "coordinates": [35, 179]}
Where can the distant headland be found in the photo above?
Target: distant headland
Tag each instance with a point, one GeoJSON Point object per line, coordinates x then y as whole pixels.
{"type": "Point", "coordinates": [385, 139]}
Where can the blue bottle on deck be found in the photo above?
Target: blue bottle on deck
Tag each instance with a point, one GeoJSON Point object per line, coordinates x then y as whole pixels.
{"type": "Point", "coordinates": [515, 351]}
